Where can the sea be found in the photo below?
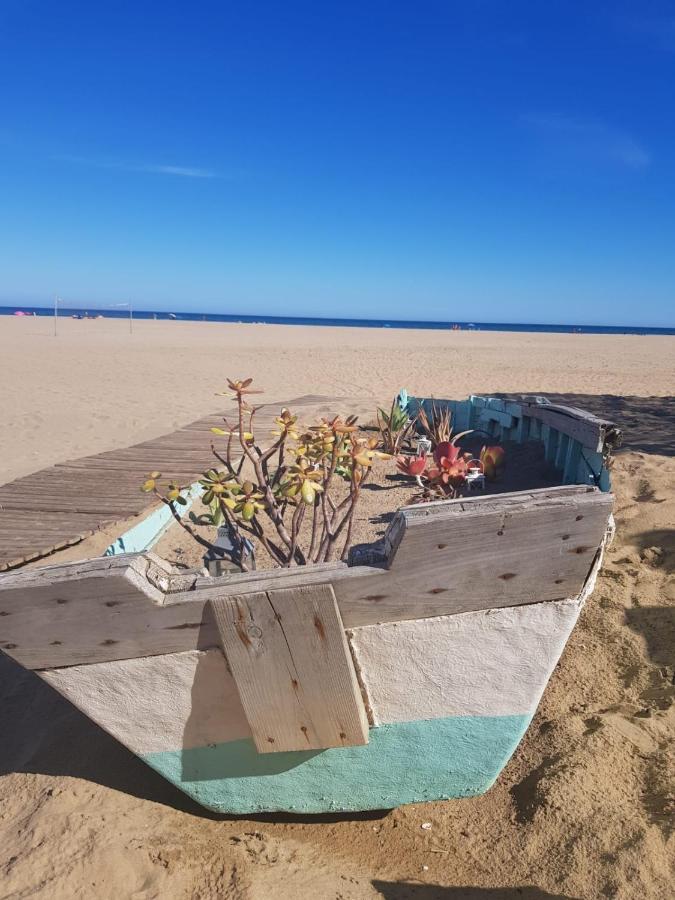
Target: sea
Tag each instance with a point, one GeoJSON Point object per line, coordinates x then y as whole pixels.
{"type": "Point", "coordinates": [124, 312]}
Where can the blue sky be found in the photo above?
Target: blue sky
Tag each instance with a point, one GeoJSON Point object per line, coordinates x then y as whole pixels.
{"type": "Point", "coordinates": [482, 160]}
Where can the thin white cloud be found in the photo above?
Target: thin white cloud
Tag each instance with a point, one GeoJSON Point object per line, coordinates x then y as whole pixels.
{"type": "Point", "coordinates": [590, 140]}
{"type": "Point", "coordinates": [184, 171]}
{"type": "Point", "coordinates": [151, 168]}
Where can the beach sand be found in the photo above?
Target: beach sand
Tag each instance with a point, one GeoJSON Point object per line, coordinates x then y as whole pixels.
{"type": "Point", "coordinates": [96, 387]}
{"type": "Point", "coordinates": [584, 808]}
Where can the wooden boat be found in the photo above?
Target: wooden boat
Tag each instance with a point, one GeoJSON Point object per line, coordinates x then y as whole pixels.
{"type": "Point", "coordinates": [409, 675]}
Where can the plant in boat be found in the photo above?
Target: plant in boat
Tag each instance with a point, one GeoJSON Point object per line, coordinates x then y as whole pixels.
{"type": "Point", "coordinates": [443, 478]}
{"type": "Point", "coordinates": [492, 459]}
{"type": "Point", "coordinates": [411, 465]}
{"type": "Point", "coordinates": [395, 427]}
{"type": "Point", "coordinates": [269, 492]}
{"type": "Point", "coordinates": [437, 424]}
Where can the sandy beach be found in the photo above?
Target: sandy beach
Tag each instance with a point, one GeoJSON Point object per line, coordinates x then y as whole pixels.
{"type": "Point", "coordinates": [583, 810]}
{"type": "Point", "coordinates": [96, 387]}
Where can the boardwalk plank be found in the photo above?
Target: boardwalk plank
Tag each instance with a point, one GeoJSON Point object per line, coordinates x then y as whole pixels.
{"type": "Point", "coordinates": [61, 504]}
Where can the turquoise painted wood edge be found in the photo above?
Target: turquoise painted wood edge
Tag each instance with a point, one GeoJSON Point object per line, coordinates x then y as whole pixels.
{"type": "Point", "coordinates": [146, 533]}
{"type": "Point", "coordinates": [504, 420]}
{"type": "Point", "coordinates": [405, 762]}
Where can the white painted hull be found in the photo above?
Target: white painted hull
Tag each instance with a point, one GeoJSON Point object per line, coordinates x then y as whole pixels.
{"type": "Point", "coordinates": [460, 690]}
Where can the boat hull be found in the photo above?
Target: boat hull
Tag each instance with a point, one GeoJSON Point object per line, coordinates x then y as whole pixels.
{"type": "Point", "coordinates": [448, 699]}
{"type": "Point", "coordinates": [444, 635]}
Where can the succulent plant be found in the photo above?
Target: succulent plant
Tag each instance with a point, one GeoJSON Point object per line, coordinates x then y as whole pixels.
{"type": "Point", "coordinates": [296, 473]}
{"type": "Point", "coordinates": [395, 426]}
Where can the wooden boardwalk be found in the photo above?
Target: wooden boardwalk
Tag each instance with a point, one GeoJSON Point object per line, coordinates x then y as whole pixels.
{"type": "Point", "coordinates": [59, 506]}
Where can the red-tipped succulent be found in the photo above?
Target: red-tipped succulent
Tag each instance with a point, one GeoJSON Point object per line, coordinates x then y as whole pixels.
{"type": "Point", "coordinates": [411, 465]}
{"type": "Point", "coordinates": [446, 450]}
{"type": "Point", "coordinates": [447, 473]}
{"type": "Point", "coordinates": [451, 471]}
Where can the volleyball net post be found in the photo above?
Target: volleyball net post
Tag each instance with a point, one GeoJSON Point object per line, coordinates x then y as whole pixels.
{"type": "Point", "coordinates": [99, 310]}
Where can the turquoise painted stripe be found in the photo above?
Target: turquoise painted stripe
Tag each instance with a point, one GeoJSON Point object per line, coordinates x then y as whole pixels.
{"type": "Point", "coordinates": [407, 762]}
{"type": "Point", "coordinates": [146, 534]}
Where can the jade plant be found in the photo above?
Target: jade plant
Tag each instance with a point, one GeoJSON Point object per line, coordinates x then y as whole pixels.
{"type": "Point", "coordinates": [268, 492]}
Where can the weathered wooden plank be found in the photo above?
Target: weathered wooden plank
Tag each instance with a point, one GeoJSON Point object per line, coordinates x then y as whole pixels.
{"type": "Point", "coordinates": [550, 437]}
{"type": "Point", "coordinates": [186, 455]}
{"type": "Point", "coordinates": [9, 562]}
{"type": "Point", "coordinates": [13, 551]}
{"type": "Point", "coordinates": [278, 576]}
{"type": "Point", "coordinates": [575, 412]}
{"type": "Point", "coordinates": [42, 519]}
{"type": "Point", "coordinates": [489, 555]}
{"type": "Point", "coordinates": [119, 608]}
{"type": "Point", "coordinates": [572, 462]}
{"type": "Point", "coordinates": [61, 504]}
{"type": "Point", "coordinates": [62, 477]}
{"type": "Point", "coordinates": [585, 429]}
{"type": "Point", "coordinates": [449, 558]}
{"type": "Point", "coordinates": [289, 657]}
{"type": "Point", "coordinates": [422, 510]}
{"type": "Point", "coordinates": [26, 537]}
{"type": "Point", "coordinates": [108, 613]}
{"type": "Point", "coordinates": [561, 451]}
{"type": "Point", "coordinates": [495, 415]}
{"type": "Point", "coordinates": [95, 507]}
{"type": "Point", "coordinates": [522, 429]}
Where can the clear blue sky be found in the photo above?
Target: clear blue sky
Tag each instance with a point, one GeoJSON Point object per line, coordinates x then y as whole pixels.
{"type": "Point", "coordinates": [491, 161]}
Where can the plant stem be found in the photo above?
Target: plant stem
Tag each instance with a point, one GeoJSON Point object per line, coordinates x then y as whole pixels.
{"type": "Point", "coordinates": [197, 537]}
{"type": "Point", "coordinates": [271, 506]}
{"type": "Point", "coordinates": [315, 522]}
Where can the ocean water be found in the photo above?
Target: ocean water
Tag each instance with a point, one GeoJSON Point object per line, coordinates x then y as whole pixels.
{"type": "Point", "coordinates": [123, 313]}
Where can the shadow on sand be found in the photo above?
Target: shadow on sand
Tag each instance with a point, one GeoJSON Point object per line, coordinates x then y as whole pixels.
{"type": "Point", "coordinates": [399, 890]}
{"type": "Point", "coordinates": [664, 540]}
{"type": "Point", "coordinates": [44, 734]}
{"type": "Point", "coordinates": [647, 423]}
{"type": "Point", "coordinates": [656, 624]}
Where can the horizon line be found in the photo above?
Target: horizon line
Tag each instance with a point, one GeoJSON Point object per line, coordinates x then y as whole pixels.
{"type": "Point", "coordinates": [251, 318]}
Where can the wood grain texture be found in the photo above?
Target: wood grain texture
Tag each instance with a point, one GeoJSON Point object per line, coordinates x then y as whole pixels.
{"type": "Point", "coordinates": [62, 504]}
{"type": "Point", "coordinates": [586, 429]}
{"type": "Point", "coordinates": [483, 555]}
{"type": "Point", "coordinates": [438, 559]}
{"type": "Point", "coordinates": [289, 657]}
